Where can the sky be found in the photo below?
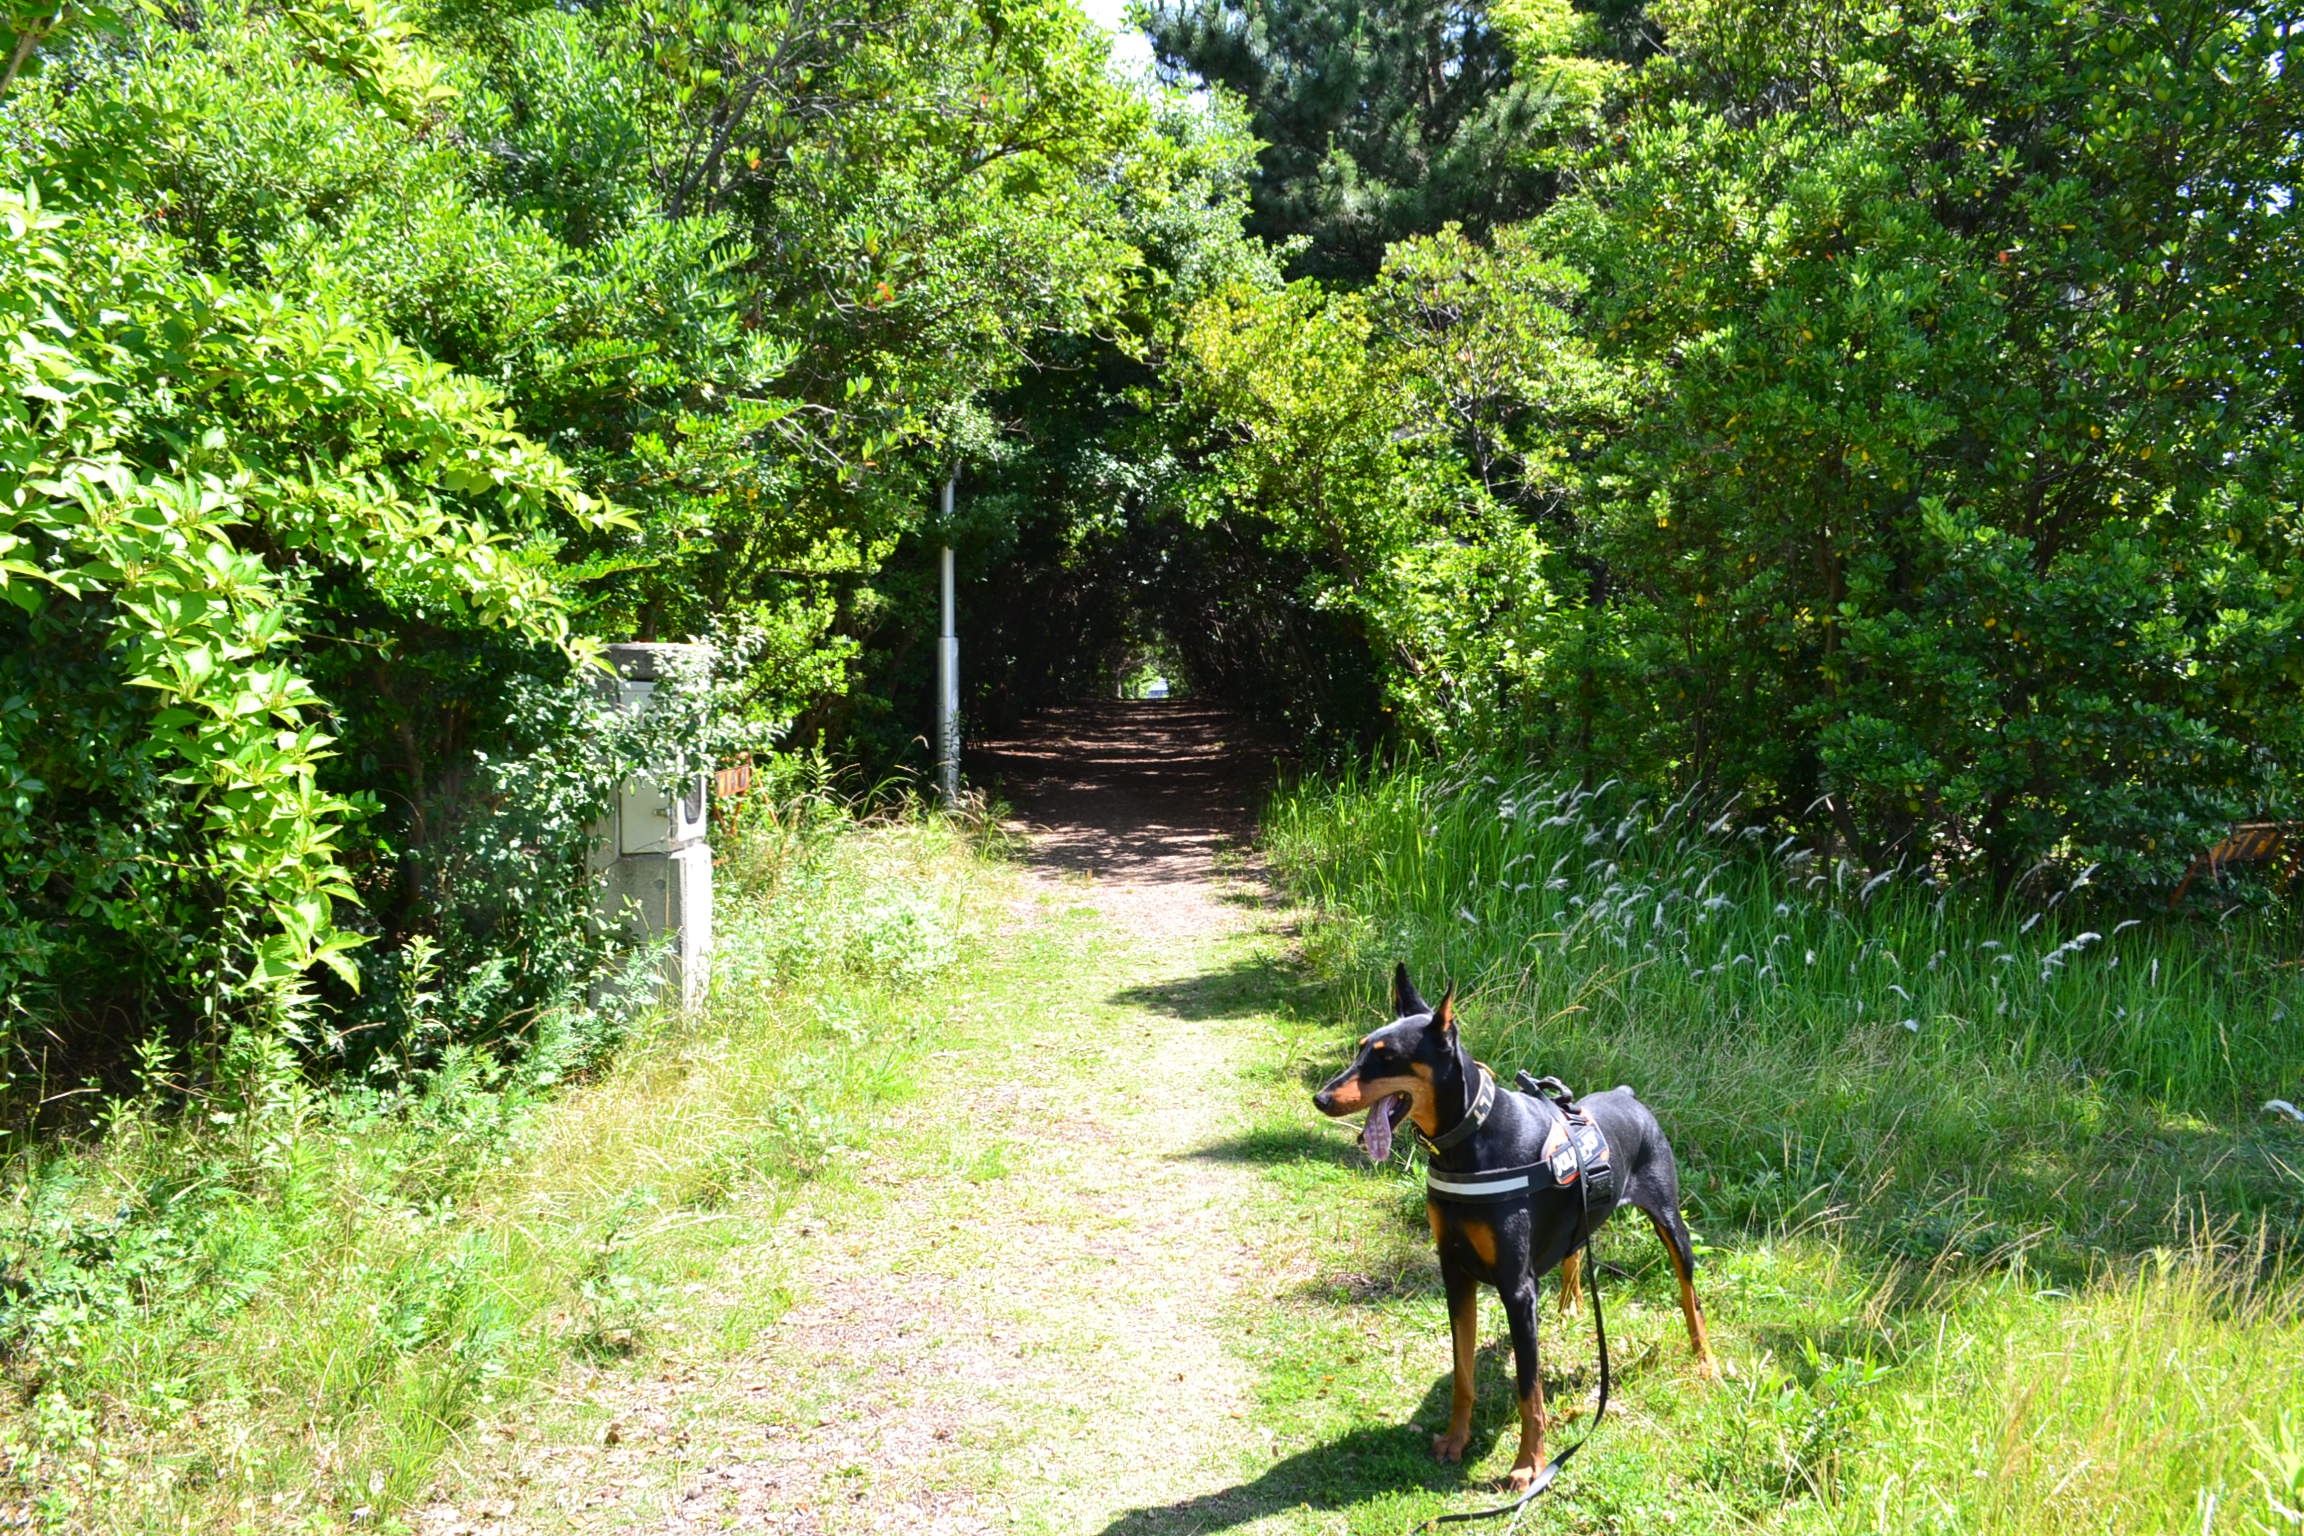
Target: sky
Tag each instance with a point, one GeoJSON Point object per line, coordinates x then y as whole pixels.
{"type": "Point", "coordinates": [1131, 53]}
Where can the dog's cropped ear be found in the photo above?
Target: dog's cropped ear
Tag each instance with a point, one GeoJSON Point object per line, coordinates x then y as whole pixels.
{"type": "Point", "coordinates": [1404, 999]}
{"type": "Point", "coordinates": [1445, 1014]}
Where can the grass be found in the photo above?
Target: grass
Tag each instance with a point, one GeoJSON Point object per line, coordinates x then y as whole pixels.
{"type": "Point", "coordinates": [2025, 1271]}
{"type": "Point", "coordinates": [285, 1316]}
{"type": "Point", "coordinates": [1997, 1229]}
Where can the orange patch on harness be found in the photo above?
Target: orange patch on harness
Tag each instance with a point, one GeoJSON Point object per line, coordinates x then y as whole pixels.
{"type": "Point", "coordinates": [1560, 1150]}
{"type": "Point", "coordinates": [1558, 1154]}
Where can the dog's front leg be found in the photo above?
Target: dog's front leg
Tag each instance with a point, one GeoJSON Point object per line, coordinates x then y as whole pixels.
{"type": "Point", "coordinates": [1528, 1371]}
{"type": "Point", "coordinates": [1464, 1335]}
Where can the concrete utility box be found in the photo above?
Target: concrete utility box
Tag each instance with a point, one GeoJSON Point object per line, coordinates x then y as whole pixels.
{"type": "Point", "coordinates": [649, 821]}
{"type": "Point", "coordinates": [651, 868]}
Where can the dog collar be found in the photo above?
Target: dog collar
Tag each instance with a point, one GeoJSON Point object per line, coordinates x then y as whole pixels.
{"type": "Point", "coordinates": [1474, 1118]}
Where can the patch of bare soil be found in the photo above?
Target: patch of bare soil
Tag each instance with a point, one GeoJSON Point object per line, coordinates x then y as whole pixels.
{"type": "Point", "coordinates": [1141, 797]}
{"type": "Point", "coordinates": [1014, 1328]}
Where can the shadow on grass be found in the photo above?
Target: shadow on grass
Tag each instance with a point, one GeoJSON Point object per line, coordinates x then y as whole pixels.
{"type": "Point", "coordinates": [1245, 988]}
{"type": "Point", "coordinates": [1271, 1146]}
{"type": "Point", "coordinates": [1936, 1183]}
{"type": "Point", "coordinates": [1355, 1468]}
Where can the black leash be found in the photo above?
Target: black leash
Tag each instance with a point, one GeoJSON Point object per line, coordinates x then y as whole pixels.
{"type": "Point", "coordinates": [1551, 1469]}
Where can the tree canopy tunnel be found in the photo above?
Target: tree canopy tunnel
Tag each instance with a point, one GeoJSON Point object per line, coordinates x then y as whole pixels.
{"type": "Point", "coordinates": [1071, 576]}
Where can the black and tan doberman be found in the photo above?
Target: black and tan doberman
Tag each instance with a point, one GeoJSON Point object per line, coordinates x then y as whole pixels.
{"type": "Point", "coordinates": [1516, 1182]}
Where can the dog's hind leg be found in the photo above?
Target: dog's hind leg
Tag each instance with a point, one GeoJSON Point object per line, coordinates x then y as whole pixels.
{"type": "Point", "coordinates": [1464, 1335]}
{"type": "Point", "coordinates": [1674, 1233]}
{"type": "Point", "coordinates": [1655, 1188]}
{"type": "Point", "coordinates": [1572, 1281]}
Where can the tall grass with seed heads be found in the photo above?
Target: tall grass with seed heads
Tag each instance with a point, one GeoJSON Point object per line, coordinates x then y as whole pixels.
{"type": "Point", "coordinates": [1994, 1211]}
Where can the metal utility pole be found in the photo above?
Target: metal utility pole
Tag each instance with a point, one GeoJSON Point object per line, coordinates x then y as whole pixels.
{"type": "Point", "coordinates": [948, 670]}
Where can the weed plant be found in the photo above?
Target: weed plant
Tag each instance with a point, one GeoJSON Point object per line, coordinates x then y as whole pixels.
{"type": "Point", "coordinates": [1994, 1213]}
{"type": "Point", "coordinates": [283, 1313]}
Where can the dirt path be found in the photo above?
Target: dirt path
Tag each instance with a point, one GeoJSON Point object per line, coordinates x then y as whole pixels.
{"type": "Point", "coordinates": [1140, 798]}
{"type": "Point", "coordinates": [1081, 1339]}
{"type": "Point", "coordinates": [1012, 1326]}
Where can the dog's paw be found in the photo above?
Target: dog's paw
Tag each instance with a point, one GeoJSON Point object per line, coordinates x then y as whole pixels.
{"type": "Point", "coordinates": [1450, 1447]}
{"type": "Point", "coordinates": [1520, 1478]}
{"type": "Point", "coordinates": [1712, 1368]}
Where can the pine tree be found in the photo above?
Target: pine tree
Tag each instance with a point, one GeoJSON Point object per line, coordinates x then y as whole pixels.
{"type": "Point", "coordinates": [1384, 119]}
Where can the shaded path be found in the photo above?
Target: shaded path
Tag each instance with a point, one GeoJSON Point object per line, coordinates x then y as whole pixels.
{"type": "Point", "coordinates": [1142, 796]}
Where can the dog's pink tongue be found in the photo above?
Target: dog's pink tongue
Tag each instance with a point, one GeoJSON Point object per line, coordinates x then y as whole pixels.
{"type": "Point", "coordinates": [1376, 1135]}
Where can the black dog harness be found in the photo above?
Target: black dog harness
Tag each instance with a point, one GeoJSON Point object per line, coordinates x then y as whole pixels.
{"type": "Point", "coordinates": [1575, 1152]}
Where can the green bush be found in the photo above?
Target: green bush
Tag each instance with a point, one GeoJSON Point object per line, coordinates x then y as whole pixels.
{"type": "Point", "coordinates": [1895, 426]}
{"type": "Point", "coordinates": [336, 330]}
{"type": "Point", "coordinates": [1955, 493]}
{"type": "Point", "coordinates": [186, 466]}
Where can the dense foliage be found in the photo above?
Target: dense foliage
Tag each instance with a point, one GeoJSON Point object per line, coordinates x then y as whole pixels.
{"type": "Point", "coordinates": [370, 360]}
{"type": "Point", "coordinates": [1963, 492]}
{"type": "Point", "coordinates": [169, 532]}
{"type": "Point", "coordinates": [1896, 427]}
{"type": "Point", "coordinates": [1889, 419]}
{"type": "Point", "coordinates": [1065, 528]}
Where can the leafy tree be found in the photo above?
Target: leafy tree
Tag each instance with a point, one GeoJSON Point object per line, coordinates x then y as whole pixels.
{"type": "Point", "coordinates": [1067, 538]}
{"type": "Point", "coordinates": [745, 275]}
{"type": "Point", "coordinates": [1959, 507]}
{"type": "Point", "coordinates": [1410, 442]}
{"type": "Point", "coordinates": [1910, 455]}
{"type": "Point", "coordinates": [919, 197]}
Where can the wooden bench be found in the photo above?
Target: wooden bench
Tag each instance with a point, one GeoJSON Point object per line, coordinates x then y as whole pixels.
{"type": "Point", "coordinates": [2249, 842]}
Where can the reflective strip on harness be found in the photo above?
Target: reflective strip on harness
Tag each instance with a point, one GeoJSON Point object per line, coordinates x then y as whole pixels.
{"type": "Point", "coordinates": [1486, 1189]}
